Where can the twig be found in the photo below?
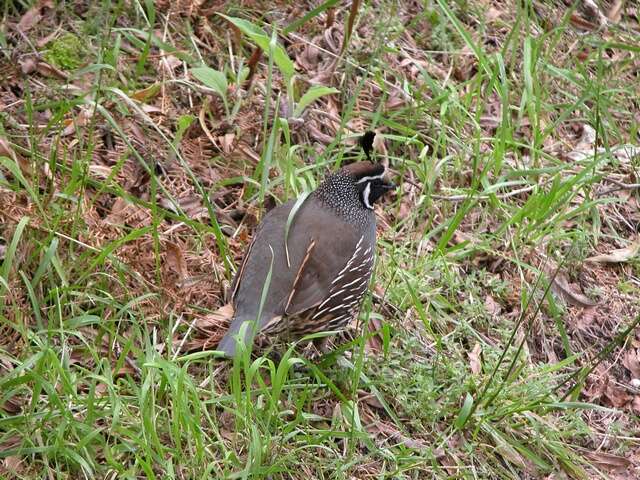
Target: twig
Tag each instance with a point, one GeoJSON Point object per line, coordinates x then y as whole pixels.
{"type": "Point", "coordinates": [620, 186]}
{"type": "Point", "coordinates": [460, 198]}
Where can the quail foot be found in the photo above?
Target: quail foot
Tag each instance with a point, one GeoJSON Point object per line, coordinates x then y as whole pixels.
{"type": "Point", "coordinates": [319, 267]}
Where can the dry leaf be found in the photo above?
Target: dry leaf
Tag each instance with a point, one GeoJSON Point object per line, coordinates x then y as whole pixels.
{"type": "Point", "coordinates": [593, 12]}
{"type": "Point", "coordinates": [615, 12]}
{"type": "Point", "coordinates": [616, 395]}
{"type": "Point", "coordinates": [585, 146]}
{"type": "Point", "coordinates": [33, 15]}
{"type": "Point", "coordinates": [170, 63]}
{"type": "Point", "coordinates": [610, 461]}
{"type": "Point", "coordinates": [28, 65]}
{"type": "Point", "coordinates": [474, 359]}
{"type": "Point", "coordinates": [460, 237]}
{"type": "Point", "coordinates": [42, 42]}
{"type": "Point", "coordinates": [13, 405]}
{"type": "Point", "coordinates": [6, 150]}
{"type": "Point", "coordinates": [101, 172]}
{"type": "Point", "coordinates": [30, 18]}
{"type": "Point", "coordinates": [465, 65]}
{"type": "Point", "coordinates": [216, 320]}
{"type": "Point", "coordinates": [508, 452]}
{"type": "Point", "coordinates": [631, 361]}
{"type": "Point", "coordinates": [370, 400]}
{"type": "Point", "coordinates": [118, 212]}
{"type": "Point", "coordinates": [626, 152]}
{"type": "Point", "coordinates": [150, 108]}
{"type": "Point", "coordinates": [81, 120]}
{"type": "Point", "coordinates": [374, 342]}
{"type": "Point", "coordinates": [635, 404]}
{"type": "Point", "coordinates": [394, 102]}
{"type": "Point", "coordinates": [227, 141]}
{"type": "Point", "coordinates": [124, 370]}
{"type": "Point", "coordinates": [47, 70]}
{"type": "Point", "coordinates": [12, 464]}
{"type": "Point", "coordinates": [579, 22]}
{"type": "Point", "coordinates": [561, 287]}
{"type": "Point", "coordinates": [387, 432]}
{"type": "Point", "coordinates": [618, 255]}
{"type": "Point", "coordinates": [493, 308]}
{"type": "Point", "coordinates": [587, 317]}
{"type": "Point", "coordinates": [175, 259]}
{"type": "Point", "coordinates": [492, 14]}
{"type": "Point", "coordinates": [101, 389]}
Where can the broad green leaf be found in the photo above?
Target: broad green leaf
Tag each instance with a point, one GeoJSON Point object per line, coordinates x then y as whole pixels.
{"type": "Point", "coordinates": [464, 412]}
{"type": "Point", "coordinates": [312, 95]}
{"type": "Point", "coordinates": [246, 26]}
{"type": "Point", "coordinates": [183, 123]}
{"type": "Point", "coordinates": [260, 38]}
{"type": "Point", "coordinates": [212, 78]}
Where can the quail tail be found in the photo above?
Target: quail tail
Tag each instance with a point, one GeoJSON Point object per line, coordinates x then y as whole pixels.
{"type": "Point", "coordinates": [228, 344]}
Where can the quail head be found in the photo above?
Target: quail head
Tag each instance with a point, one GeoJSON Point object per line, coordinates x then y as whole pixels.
{"type": "Point", "coordinates": [319, 266]}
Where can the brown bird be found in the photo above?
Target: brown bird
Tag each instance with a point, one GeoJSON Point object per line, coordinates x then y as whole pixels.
{"type": "Point", "coordinates": [320, 265]}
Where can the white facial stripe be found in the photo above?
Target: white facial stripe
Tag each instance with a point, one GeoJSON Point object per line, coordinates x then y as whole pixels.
{"type": "Point", "coordinates": [367, 179]}
{"type": "Point", "coordinates": [365, 196]}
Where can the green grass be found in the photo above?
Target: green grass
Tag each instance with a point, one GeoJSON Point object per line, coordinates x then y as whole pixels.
{"type": "Point", "coordinates": [475, 367]}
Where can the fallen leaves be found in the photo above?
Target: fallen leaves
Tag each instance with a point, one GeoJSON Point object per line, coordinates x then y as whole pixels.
{"type": "Point", "coordinates": [6, 150]}
{"type": "Point", "coordinates": [374, 341]}
{"type": "Point", "coordinates": [175, 259]}
{"type": "Point", "coordinates": [12, 464]}
{"type": "Point", "coordinates": [30, 65]}
{"type": "Point", "coordinates": [34, 15]}
{"type": "Point", "coordinates": [385, 432]}
{"type": "Point", "coordinates": [631, 361]}
{"type": "Point", "coordinates": [493, 308]}
{"type": "Point", "coordinates": [213, 326]}
{"type": "Point", "coordinates": [584, 148]}
{"type": "Point", "coordinates": [619, 255]}
{"type": "Point", "coordinates": [608, 461]}
{"type": "Point", "coordinates": [562, 287]}
{"type": "Point", "coordinates": [616, 395]}
{"type": "Point", "coordinates": [606, 390]}
{"type": "Point", "coordinates": [593, 14]}
{"type": "Point", "coordinates": [474, 359]}
{"type": "Point", "coordinates": [615, 12]}
{"type": "Point", "coordinates": [316, 59]}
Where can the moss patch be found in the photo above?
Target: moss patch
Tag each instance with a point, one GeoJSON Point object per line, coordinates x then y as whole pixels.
{"type": "Point", "coordinates": [67, 52]}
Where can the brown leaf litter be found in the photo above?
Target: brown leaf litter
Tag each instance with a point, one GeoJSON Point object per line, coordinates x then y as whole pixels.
{"type": "Point", "coordinates": [618, 255]}
{"type": "Point", "coordinates": [191, 275]}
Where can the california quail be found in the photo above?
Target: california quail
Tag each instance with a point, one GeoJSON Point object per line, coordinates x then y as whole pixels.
{"type": "Point", "coordinates": [319, 279]}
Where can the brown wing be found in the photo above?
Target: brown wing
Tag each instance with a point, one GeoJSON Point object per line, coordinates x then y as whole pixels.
{"type": "Point", "coordinates": [236, 279]}
{"type": "Point", "coordinates": [324, 262]}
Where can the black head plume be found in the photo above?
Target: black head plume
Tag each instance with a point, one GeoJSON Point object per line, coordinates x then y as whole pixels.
{"type": "Point", "coordinates": [366, 142]}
